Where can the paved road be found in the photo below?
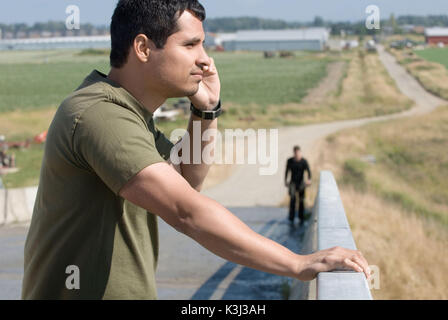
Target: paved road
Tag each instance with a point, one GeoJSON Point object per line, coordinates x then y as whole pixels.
{"type": "Point", "coordinates": [12, 240]}
{"type": "Point", "coordinates": [269, 190]}
{"type": "Point", "coordinates": [185, 270]}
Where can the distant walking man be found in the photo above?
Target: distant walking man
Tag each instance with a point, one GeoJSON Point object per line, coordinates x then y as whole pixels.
{"type": "Point", "coordinates": [297, 165]}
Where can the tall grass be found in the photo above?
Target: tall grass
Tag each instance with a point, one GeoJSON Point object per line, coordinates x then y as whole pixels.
{"type": "Point", "coordinates": [432, 75]}
{"type": "Point", "coordinates": [398, 205]}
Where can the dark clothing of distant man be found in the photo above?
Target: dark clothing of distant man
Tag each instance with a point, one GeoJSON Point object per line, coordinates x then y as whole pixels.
{"type": "Point", "coordinates": [296, 186]}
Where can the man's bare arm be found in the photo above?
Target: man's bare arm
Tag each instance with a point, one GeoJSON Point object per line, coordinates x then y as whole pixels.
{"type": "Point", "coordinates": [162, 191]}
{"type": "Point", "coordinates": [196, 173]}
{"type": "Point", "coordinates": [206, 98]}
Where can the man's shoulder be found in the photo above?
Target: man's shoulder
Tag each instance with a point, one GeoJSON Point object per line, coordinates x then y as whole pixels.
{"type": "Point", "coordinates": [94, 103]}
{"type": "Point", "coordinates": [83, 98]}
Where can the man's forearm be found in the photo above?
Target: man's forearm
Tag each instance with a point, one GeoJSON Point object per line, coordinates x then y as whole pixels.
{"type": "Point", "coordinates": [221, 232]}
{"type": "Point", "coordinates": [196, 173]}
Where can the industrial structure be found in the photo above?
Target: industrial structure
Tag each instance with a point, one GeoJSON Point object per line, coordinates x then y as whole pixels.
{"type": "Point", "coordinates": [436, 36]}
{"type": "Point", "coordinates": [311, 39]}
{"type": "Point", "coordinates": [96, 42]}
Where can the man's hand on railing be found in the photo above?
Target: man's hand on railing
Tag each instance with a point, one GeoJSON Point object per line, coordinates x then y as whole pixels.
{"type": "Point", "coordinates": [336, 258]}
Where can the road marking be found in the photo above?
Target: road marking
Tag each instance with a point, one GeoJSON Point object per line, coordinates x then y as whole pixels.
{"type": "Point", "coordinates": [224, 284]}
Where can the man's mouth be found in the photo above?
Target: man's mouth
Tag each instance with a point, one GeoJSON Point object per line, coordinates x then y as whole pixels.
{"type": "Point", "coordinates": [198, 75]}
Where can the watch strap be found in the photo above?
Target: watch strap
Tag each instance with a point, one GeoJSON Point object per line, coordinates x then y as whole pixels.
{"type": "Point", "coordinates": [207, 114]}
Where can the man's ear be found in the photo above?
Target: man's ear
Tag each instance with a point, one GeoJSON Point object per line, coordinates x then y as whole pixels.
{"type": "Point", "coordinates": [143, 47]}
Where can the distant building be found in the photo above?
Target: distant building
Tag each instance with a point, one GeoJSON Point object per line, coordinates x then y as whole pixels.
{"type": "Point", "coordinates": [209, 41]}
{"type": "Point", "coordinates": [96, 42]}
{"type": "Point", "coordinates": [419, 29]}
{"type": "Point", "coordinates": [436, 36]}
{"type": "Point", "coordinates": [224, 37]}
{"type": "Point", "coordinates": [312, 39]}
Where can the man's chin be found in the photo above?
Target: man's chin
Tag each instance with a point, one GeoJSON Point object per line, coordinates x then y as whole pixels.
{"type": "Point", "coordinates": [192, 92]}
{"type": "Point", "coordinates": [186, 92]}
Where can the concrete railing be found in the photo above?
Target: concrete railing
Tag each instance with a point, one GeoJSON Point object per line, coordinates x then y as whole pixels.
{"type": "Point", "coordinates": [16, 205]}
{"type": "Point", "coordinates": [329, 228]}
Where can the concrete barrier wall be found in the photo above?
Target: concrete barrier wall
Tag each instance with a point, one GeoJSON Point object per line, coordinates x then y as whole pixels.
{"type": "Point", "coordinates": [16, 205]}
{"type": "Point", "coordinates": [330, 228]}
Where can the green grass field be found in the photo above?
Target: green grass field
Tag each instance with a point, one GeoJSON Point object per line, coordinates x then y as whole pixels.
{"type": "Point", "coordinates": [34, 83]}
{"type": "Point", "coordinates": [31, 80]}
{"type": "Point", "coordinates": [249, 78]}
{"type": "Point", "coordinates": [439, 55]}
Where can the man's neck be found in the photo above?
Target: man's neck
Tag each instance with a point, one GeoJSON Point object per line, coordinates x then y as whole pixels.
{"type": "Point", "coordinates": [150, 100]}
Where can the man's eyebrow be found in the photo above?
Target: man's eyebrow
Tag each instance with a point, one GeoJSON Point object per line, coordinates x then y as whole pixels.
{"type": "Point", "coordinates": [193, 40]}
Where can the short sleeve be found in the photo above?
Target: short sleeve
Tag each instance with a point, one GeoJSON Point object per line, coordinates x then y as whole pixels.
{"type": "Point", "coordinates": [115, 143]}
{"type": "Point", "coordinates": [163, 144]}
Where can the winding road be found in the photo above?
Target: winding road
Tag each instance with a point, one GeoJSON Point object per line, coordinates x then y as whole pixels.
{"type": "Point", "coordinates": [269, 190]}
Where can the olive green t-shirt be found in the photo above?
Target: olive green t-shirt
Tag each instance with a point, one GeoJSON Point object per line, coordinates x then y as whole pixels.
{"type": "Point", "coordinates": [100, 137]}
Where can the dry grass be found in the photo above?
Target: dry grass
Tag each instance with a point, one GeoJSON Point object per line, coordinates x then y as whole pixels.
{"type": "Point", "coordinates": [366, 91]}
{"type": "Point", "coordinates": [433, 76]}
{"type": "Point", "coordinates": [411, 254]}
{"type": "Point", "coordinates": [404, 236]}
{"type": "Point", "coordinates": [24, 123]}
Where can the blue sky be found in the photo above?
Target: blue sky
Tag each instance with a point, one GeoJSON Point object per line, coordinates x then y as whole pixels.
{"type": "Point", "coordinates": [99, 11]}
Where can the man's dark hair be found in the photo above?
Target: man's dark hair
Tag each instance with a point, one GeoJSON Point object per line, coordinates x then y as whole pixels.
{"type": "Point", "coordinates": [296, 148]}
{"type": "Point", "coordinates": [157, 19]}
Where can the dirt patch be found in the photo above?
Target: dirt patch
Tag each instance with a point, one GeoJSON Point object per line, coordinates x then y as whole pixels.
{"type": "Point", "coordinates": [329, 84]}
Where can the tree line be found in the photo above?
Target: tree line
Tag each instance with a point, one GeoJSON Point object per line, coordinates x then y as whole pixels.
{"type": "Point", "coordinates": [229, 24]}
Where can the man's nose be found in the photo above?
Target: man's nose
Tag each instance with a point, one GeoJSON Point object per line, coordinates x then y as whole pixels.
{"type": "Point", "coordinates": [203, 59]}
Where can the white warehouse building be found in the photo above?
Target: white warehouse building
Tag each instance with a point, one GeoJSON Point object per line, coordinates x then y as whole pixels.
{"type": "Point", "coordinates": [94, 42]}
{"type": "Point", "coordinates": [312, 39]}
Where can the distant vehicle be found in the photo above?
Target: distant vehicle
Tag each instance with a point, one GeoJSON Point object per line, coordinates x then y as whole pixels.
{"type": "Point", "coordinates": [286, 54]}
{"type": "Point", "coordinates": [401, 44]}
{"type": "Point", "coordinates": [182, 104]}
{"type": "Point", "coordinates": [269, 54]}
{"type": "Point", "coordinates": [165, 115]}
{"type": "Point", "coordinates": [371, 46]}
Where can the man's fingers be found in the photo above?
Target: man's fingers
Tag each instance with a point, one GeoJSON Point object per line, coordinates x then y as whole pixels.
{"type": "Point", "coordinates": [363, 264]}
{"type": "Point", "coordinates": [358, 263]}
{"type": "Point", "coordinates": [211, 68]}
{"type": "Point", "coordinates": [352, 265]}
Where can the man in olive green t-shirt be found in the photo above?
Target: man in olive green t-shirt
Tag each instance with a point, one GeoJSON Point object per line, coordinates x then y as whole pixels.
{"type": "Point", "coordinates": [106, 172]}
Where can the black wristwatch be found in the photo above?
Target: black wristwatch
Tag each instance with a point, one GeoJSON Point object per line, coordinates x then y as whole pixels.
{"type": "Point", "coordinates": [207, 114]}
